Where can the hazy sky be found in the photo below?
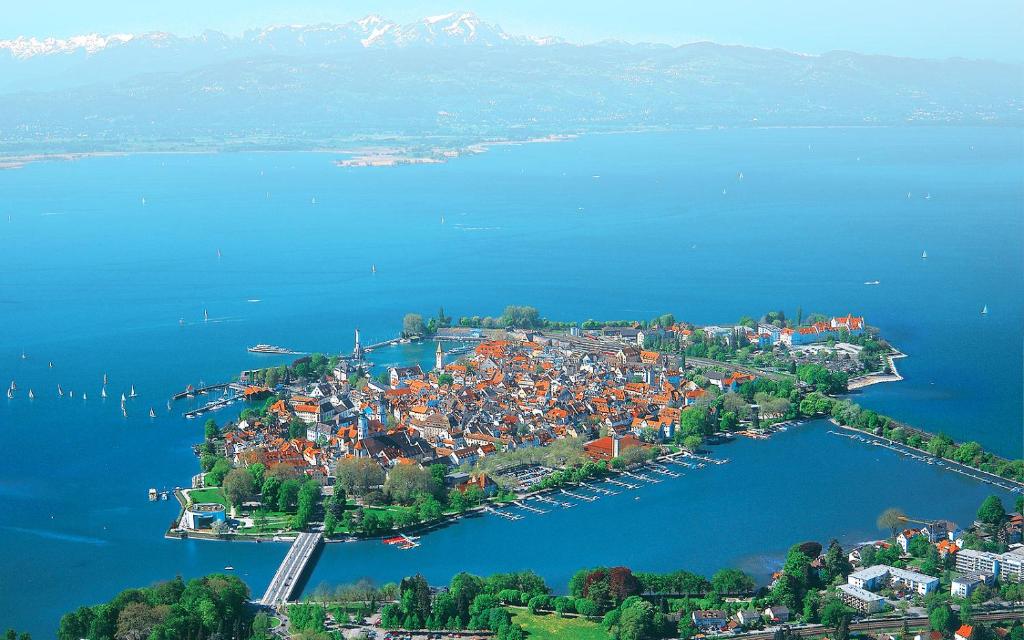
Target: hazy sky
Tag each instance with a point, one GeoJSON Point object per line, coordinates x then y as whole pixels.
{"type": "Point", "coordinates": [935, 28]}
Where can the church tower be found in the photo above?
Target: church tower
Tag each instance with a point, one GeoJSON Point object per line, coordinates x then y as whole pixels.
{"type": "Point", "coordinates": [439, 357]}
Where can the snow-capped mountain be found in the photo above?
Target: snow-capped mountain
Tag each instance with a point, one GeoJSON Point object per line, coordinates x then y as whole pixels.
{"type": "Point", "coordinates": [371, 31]}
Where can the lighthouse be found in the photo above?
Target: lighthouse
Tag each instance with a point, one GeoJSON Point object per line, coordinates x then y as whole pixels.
{"type": "Point", "coordinates": [357, 352]}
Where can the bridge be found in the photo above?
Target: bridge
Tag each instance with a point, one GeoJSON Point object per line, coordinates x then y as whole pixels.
{"type": "Point", "coordinates": [292, 568]}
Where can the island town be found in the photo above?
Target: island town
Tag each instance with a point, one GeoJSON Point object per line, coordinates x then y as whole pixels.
{"type": "Point", "coordinates": [512, 421]}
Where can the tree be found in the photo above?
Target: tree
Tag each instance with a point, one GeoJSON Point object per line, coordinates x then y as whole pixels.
{"type": "Point", "coordinates": [239, 486]}
{"type": "Point", "coordinates": [837, 563]}
{"type": "Point", "coordinates": [210, 429]}
{"type": "Point", "coordinates": [991, 513]}
{"type": "Point", "coordinates": [358, 476]}
{"type": "Point", "coordinates": [892, 519]}
{"type": "Point", "coordinates": [137, 619]}
{"type": "Point", "coordinates": [406, 481]}
{"type": "Point", "coordinates": [637, 620]}
{"type": "Point", "coordinates": [259, 473]}
{"type": "Point", "coordinates": [942, 619]}
{"type": "Point", "coordinates": [288, 495]}
{"type": "Point", "coordinates": [834, 612]}
{"type": "Point", "coordinates": [732, 581]}
{"type": "Point", "coordinates": [412, 325]}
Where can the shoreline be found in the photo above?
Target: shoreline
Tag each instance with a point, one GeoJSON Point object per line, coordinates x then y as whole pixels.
{"type": "Point", "coordinates": [878, 378]}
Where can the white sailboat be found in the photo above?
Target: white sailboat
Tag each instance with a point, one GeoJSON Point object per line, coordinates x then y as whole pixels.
{"type": "Point", "coordinates": [123, 399]}
{"type": "Point", "coordinates": [218, 254]}
{"type": "Point", "coordinates": [85, 396]}
{"type": "Point", "coordinates": [168, 405]}
{"type": "Point", "coordinates": [924, 255]}
{"type": "Point", "coordinates": [31, 396]}
{"type": "Point", "coordinates": [908, 195]}
{"type": "Point", "coordinates": [24, 356]}
{"type": "Point", "coordinates": [143, 201]}
{"type": "Point", "coordinates": [739, 176]}
{"type": "Point", "coordinates": [313, 201]}
{"type": "Point", "coordinates": [124, 411]}
{"type": "Point", "coordinates": [71, 394]}
{"type": "Point", "coordinates": [723, 192]}
{"type": "Point", "coordinates": [14, 387]}
{"type": "Point", "coordinates": [132, 394]}
{"type": "Point", "coordinates": [206, 315]}
{"type": "Point", "coordinates": [984, 310]}
{"type": "Point", "coordinates": [152, 412]}
{"type": "Point", "coordinates": [51, 364]}
{"type": "Point", "coordinates": [927, 196]}
{"type": "Point", "coordinates": [442, 219]}
{"type": "Point", "coordinates": [103, 392]}
{"type": "Point", "coordinates": [60, 392]}
{"type": "Point", "coordinates": [104, 379]}
{"type": "Point", "coordinates": [10, 393]}
{"type": "Point", "coordinates": [373, 268]}
{"type": "Point", "coordinates": [181, 322]}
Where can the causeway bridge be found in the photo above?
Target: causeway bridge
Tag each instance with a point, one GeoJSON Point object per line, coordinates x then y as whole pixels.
{"type": "Point", "coordinates": [292, 568]}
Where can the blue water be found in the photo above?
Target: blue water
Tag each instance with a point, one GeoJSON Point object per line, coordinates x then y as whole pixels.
{"type": "Point", "coordinates": [96, 282]}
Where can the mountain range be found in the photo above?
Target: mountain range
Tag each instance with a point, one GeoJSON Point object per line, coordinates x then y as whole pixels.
{"type": "Point", "coordinates": [451, 78]}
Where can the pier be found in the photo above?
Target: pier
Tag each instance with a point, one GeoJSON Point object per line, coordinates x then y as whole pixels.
{"type": "Point", "coordinates": [531, 509]}
{"type": "Point", "coordinates": [640, 476]}
{"type": "Point", "coordinates": [293, 567]}
{"type": "Point", "coordinates": [557, 503]}
{"type": "Point", "coordinates": [191, 392]}
{"type": "Point", "coordinates": [657, 468]}
{"type": "Point", "coordinates": [212, 406]}
{"type": "Point", "coordinates": [579, 497]}
{"type": "Point", "coordinates": [623, 484]}
{"type": "Point", "coordinates": [503, 514]}
{"type": "Point", "coordinates": [601, 490]}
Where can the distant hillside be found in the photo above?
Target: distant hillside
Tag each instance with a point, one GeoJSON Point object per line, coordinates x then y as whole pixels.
{"type": "Point", "coordinates": [453, 80]}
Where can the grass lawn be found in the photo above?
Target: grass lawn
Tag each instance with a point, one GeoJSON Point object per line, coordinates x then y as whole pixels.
{"type": "Point", "coordinates": [551, 627]}
{"type": "Point", "coordinates": [213, 494]}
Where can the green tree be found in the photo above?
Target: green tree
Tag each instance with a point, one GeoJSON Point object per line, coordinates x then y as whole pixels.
{"type": "Point", "coordinates": [413, 325]}
{"type": "Point", "coordinates": [992, 513]}
{"type": "Point", "coordinates": [406, 481]}
{"type": "Point", "coordinates": [729, 581]}
{"type": "Point", "coordinates": [891, 519]}
{"type": "Point", "coordinates": [239, 486]}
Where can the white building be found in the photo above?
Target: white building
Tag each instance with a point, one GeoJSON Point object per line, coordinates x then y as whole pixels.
{"type": "Point", "coordinates": [861, 599]}
{"type": "Point", "coordinates": [963, 586]}
{"type": "Point", "coordinates": [881, 575]}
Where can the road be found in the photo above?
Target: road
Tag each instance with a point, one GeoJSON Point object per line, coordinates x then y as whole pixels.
{"type": "Point", "coordinates": [889, 623]}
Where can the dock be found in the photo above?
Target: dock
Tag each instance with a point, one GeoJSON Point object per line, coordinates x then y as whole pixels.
{"type": "Point", "coordinates": [625, 485]}
{"type": "Point", "coordinates": [579, 497]}
{"type": "Point", "coordinates": [601, 490]}
{"type": "Point", "coordinates": [521, 504]}
{"type": "Point", "coordinates": [220, 403]}
{"type": "Point", "coordinates": [557, 503]}
{"type": "Point", "coordinates": [503, 514]}
{"type": "Point", "coordinates": [641, 476]}
{"type": "Point", "coordinates": [657, 468]}
{"type": "Point", "coordinates": [190, 392]}
{"type": "Point", "coordinates": [285, 581]}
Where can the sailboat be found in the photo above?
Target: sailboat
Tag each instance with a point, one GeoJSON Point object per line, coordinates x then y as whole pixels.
{"type": "Point", "coordinates": [442, 219]}
{"type": "Point", "coordinates": [51, 364]}
{"type": "Point", "coordinates": [124, 411]}
{"type": "Point", "coordinates": [24, 356]}
{"type": "Point", "coordinates": [143, 201]}
{"type": "Point", "coordinates": [85, 396]}
{"type": "Point", "coordinates": [373, 268]}
{"type": "Point", "coordinates": [206, 315]}
{"type": "Point", "coordinates": [218, 253]}
{"type": "Point", "coordinates": [927, 196]}
{"type": "Point", "coordinates": [71, 394]}
{"type": "Point", "coordinates": [313, 201]}
{"type": "Point", "coordinates": [908, 195]}
{"type": "Point", "coordinates": [10, 393]}
{"type": "Point", "coordinates": [60, 392]}
{"type": "Point", "coordinates": [31, 396]}
{"type": "Point", "coordinates": [181, 322]}
{"type": "Point", "coordinates": [723, 192]}
{"type": "Point", "coordinates": [123, 399]}
{"type": "Point", "coordinates": [739, 176]}
{"type": "Point", "coordinates": [152, 412]}
{"type": "Point", "coordinates": [103, 392]}
{"type": "Point", "coordinates": [104, 379]}
{"type": "Point", "coordinates": [14, 387]}
{"type": "Point", "coordinates": [984, 310]}
{"type": "Point", "coordinates": [168, 405]}
{"type": "Point", "coordinates": [132, 394]}
{"type": "Point", "coordinates": [924, 255]}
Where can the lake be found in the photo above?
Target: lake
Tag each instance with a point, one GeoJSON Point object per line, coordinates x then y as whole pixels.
{"type": "Point", "coordinates": [620, 226]}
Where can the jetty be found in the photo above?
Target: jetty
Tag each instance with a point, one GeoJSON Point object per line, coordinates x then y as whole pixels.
{"type": "Point", "coordinates": [293, 567]}
{"type": "Point", "coordinates": [623, 484]}
{"type": "Point", "coordinates": [220, 403]}
{"type": "Point", "coordinates": [557, 503]}
{"type": "Point", "coordinates": [579, 497]}
{"type": "Point", "coordinates": [641, 476]}
{"type": "Point", "coordinates": [531, 509]}
{"type": "Point", "coordinates": [503, 514]}
{"type": "Point", "coordinates": [657, 468]}
{"type": "Point", "coordinates": [191, 391]}
{"type": "Point", "coordinates": [601, 490]}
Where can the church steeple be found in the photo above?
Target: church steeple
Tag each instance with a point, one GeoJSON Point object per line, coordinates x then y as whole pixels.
{"type": "Point", "coordinates": [439, 357]}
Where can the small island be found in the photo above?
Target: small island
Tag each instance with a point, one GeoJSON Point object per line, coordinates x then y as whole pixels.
{"type": "Point", "coordinates": [519, 414]}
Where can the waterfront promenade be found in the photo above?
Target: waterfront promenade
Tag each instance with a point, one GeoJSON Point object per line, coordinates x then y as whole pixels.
{"type": "Point", "coordinates": [292, 568]}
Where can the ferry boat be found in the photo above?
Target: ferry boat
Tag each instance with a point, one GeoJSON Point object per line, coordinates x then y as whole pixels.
{"type": "Point", "coordinates": [269, 348]}
{"type": "Point", "coordinates": [872, 283]}
{"type": "Point", "coordinates": [152, 495]}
